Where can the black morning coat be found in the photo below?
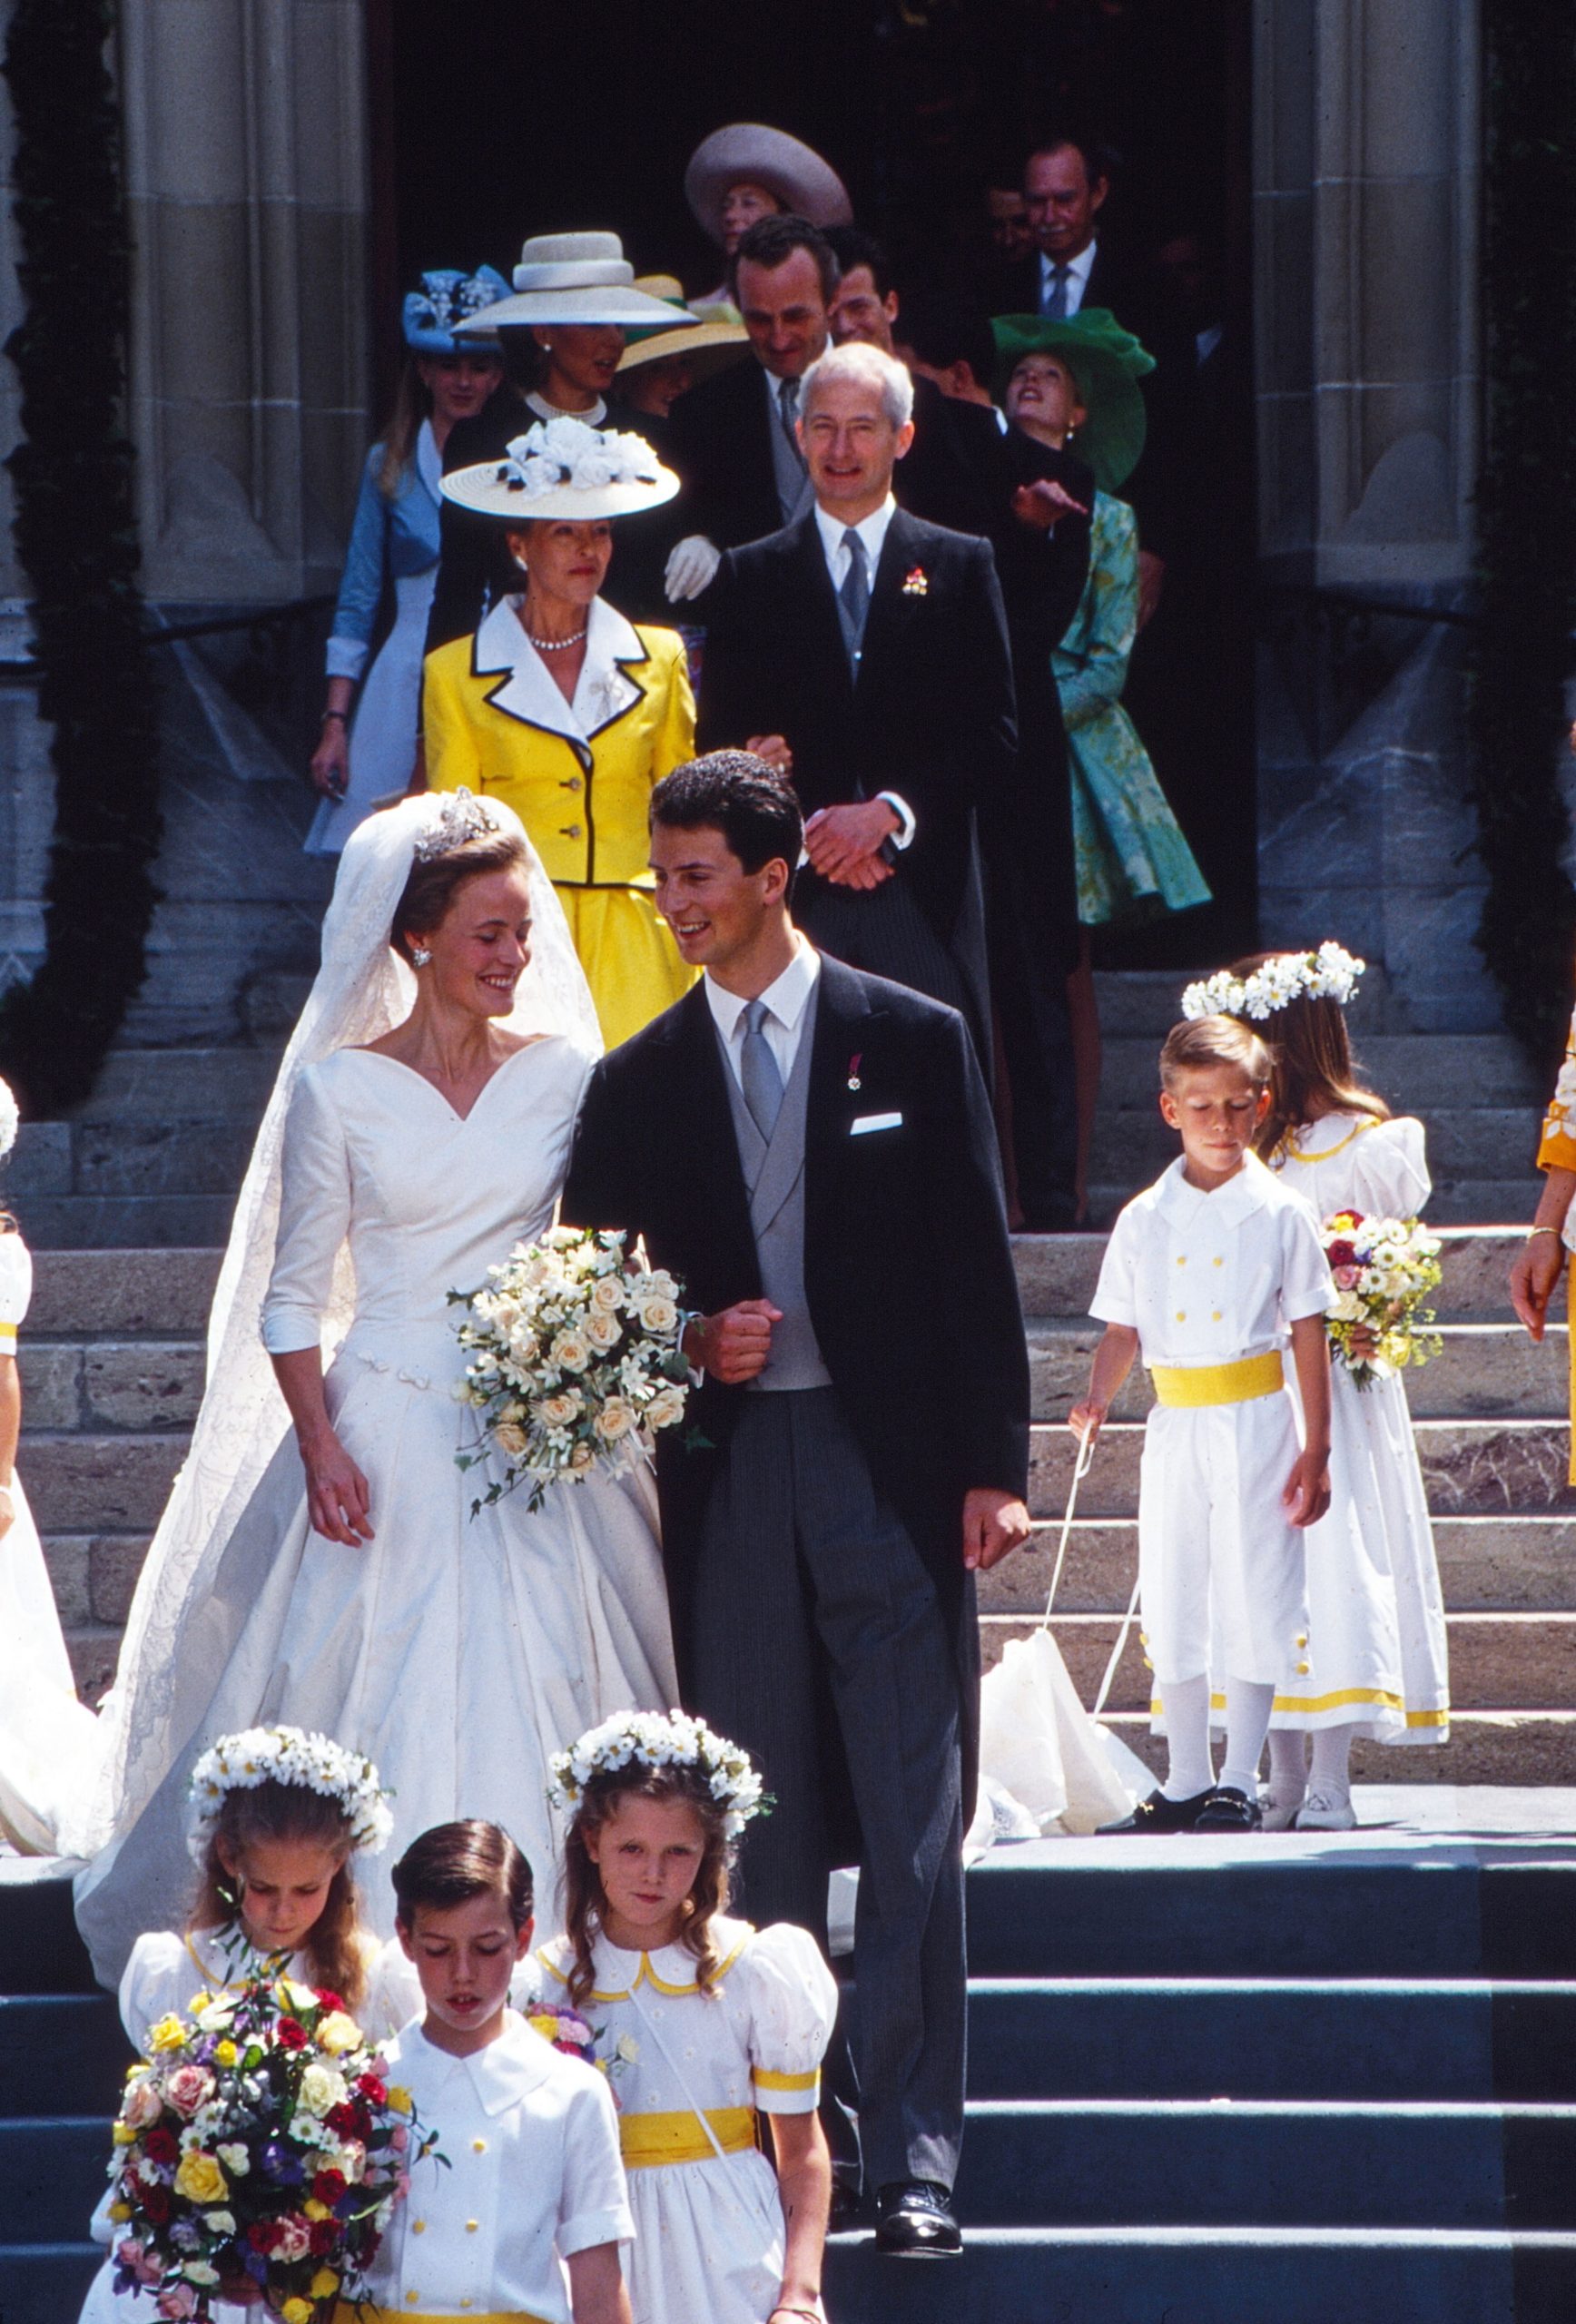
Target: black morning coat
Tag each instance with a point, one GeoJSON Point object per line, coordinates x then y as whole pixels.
{"type": "Point", "coordinates": [722, 443]}
{"type": "Point", "coordinates": [932, 716]}
{"type": "Point", "coordinates": [908, 1268]}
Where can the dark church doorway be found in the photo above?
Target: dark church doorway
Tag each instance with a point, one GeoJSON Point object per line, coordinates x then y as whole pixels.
{"type": "Point", "coordinates": [492, 121]}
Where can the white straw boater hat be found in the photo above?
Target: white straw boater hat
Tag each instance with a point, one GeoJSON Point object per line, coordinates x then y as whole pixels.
{"type": "Point", "coordinates": [562, 468]}
{"type": "Point", "coordinates": [749, 154]}
{"type": "Point", "coordinates": [716, 340]}
{"type": "Point", "coordinates": [574, 278]}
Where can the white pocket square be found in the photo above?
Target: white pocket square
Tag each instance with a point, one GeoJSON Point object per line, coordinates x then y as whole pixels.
{"type": "Point", "coordinates": [863, 1124]}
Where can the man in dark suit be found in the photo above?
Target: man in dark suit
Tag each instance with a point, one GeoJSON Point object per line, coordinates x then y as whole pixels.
{"type": "Point", "coordinates": [735, 436]}
{"type": "Point", "coordinates": [810, 1151]}
{"type": "Point", "coordinates": [866, 654]}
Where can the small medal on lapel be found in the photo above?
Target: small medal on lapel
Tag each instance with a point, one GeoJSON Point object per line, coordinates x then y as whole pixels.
{"type": "Point", "coordinates": [853, 1065]}
{"type": "Point", "coordinates": [915, 581]}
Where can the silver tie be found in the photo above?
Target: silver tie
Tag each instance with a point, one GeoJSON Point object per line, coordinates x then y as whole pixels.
{"type": "Point", "coordinates": [758, 1075]}
{"type": "Point", "coordinates": [1056, 294]}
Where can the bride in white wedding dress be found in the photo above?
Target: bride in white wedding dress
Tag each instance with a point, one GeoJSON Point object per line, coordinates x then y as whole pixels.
{"type": "Point", "coordinates": [332, 1576]}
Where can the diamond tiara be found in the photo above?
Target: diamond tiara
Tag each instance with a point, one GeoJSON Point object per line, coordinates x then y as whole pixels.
{"type": "Point", "coordinates": [460, 818]}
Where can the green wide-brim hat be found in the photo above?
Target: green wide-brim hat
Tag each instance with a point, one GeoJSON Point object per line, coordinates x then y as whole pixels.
{"type": "Point", "coordinates": [1108, 362]}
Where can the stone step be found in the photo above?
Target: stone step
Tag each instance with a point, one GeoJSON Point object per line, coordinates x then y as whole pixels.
{"type": "Point", "coordinates": [1211, 2275]}
{"type": "Point", "coordinates": [1486, 1564]}
{"type": "Point", "coordinates": [1470, 1467]}
{"type": "Point", "coordinates": [122, 1294]}
{"type": "Point", "coordinates": [1464, 1142]}
{"type": "Point", "coordinates": [1497, 1661]}
{"type": "Point", "coordinates": [1409, 1070]}
{"type": "Point", "coordinates": [1482, 1371]}
{"type": "Point", "coordinates": [1056, 1272]}
{"type": "Point", "coordinates": [107, 1385]}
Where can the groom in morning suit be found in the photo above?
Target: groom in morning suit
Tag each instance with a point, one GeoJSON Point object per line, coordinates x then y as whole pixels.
{"type": "Point", "coordinates": [811, 1150]}
{"type": "Point", "coordinates": [864, 654]}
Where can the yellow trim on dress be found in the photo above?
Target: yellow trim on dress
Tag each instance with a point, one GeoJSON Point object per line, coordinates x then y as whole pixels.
{"type": "Point", "coordinates": [648, 1976]}
{"type": "Point", "coordinates": [7, 1336]}
{"type": "Point", "coordinates": [647, 2141]}
{"type": "Point", "coordinates": [764, 2078]}
{"type": "Point", "coordinates": [1190, 1385]}
{"type": "Point", "coordinates": [1311, 1705]}
{"type": "Point", "coordinates": [1328, 1153]}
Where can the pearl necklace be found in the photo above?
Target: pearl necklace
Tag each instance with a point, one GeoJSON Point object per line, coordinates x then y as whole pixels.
{"type": "Point", "coordinates": [555, 645]}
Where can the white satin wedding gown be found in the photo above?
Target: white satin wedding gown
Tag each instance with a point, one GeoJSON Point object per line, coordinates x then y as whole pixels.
{"type": "Point", "coordinates": [457, 1651]}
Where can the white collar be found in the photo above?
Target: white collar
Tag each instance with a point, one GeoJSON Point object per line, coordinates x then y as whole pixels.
{"type": "Point", "coordinates": [429, 462]}
{"type": "Point", "coordinates": [1248, 1191]}
{"type": "Point", "coordinates": [671, 1969]}
{"type": "Point", "coordinates": [1078, 268]}
{"type": "Point", "coordinates": [519, 2062]}
{"type": "Point", "coordinates": [603, 691]}
{"type": "Point", "coordinates": [545, 410]}
{"type": "Point", "coordinates": [786, 998]}
{"type": "Point", "coordinates": [872, 531]}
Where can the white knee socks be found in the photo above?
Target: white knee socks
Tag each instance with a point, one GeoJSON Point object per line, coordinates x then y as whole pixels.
{"type": "Point", "coordinates": [1288, 1766]}
{"type": "Point", "coordinates": [1331, 1770]}
{"type": "Point", "coordinates": [1191, 1768]}
{"type": "Point", "coordinates": [1248, 1711]}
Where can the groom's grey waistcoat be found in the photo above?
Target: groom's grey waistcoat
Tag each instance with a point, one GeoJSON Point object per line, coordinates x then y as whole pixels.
{"type": "Point", "coordinates": [775, 1176]}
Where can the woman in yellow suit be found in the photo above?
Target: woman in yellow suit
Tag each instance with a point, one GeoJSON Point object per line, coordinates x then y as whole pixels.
{"type": "Point", "coordinates": [565, 710]}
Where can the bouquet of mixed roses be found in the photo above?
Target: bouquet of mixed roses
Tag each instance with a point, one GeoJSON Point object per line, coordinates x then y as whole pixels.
{"type": "Point", "coordinates": [1384, 1268]}
{"type": "Point", "coordinates": [557, 2023]}
{"type": "Point", "coordinates": [576, 1359]}
{"type": "Point", "coordinates": [259, 2147]}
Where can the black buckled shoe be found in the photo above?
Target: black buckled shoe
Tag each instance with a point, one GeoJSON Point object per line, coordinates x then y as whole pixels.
{"type": "Point", "coordinates": [914, 2221]}
{"type": "Point", "coordinates": [1227, 1809]}
{"type": "Point", "coordinates": [1158, 1813]}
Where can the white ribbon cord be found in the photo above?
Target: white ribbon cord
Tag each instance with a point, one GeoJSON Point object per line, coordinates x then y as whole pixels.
{"type": "Point", "coordinates": [1117, 1650]}
{"type": "Point", "coordinates": [1086, 1453]}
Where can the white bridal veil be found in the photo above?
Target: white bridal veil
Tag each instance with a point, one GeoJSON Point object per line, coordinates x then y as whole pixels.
{"type": "Point", "coordinates": [362, 990]}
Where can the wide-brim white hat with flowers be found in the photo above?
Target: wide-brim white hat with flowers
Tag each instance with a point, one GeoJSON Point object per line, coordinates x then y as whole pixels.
{"type": "Point", "coordinates": [562, 469]}
{"type": "Point", "coordinates": [573, 278]}
{"type": "Point", "coordinates": [747, 153]}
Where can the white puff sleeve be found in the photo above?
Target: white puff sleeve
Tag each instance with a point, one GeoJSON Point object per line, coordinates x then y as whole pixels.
{"type": "Point", "coordinates": [16, 1287]}
{"type": "Point", "coordinates": [314, 1219]}
{"type": "Point", "coordinates": [792, 2009]}
{"type": "Point", "coordinates": [160, 1976]}
{"type": "Point", "coordinates": [1390, 1170]}
{"type": "Point", "coordinates": [1307, 1287]}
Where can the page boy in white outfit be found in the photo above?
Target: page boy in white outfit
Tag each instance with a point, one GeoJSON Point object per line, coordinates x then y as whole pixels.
{"type": "Point", "coordinates": [1208, 1275]}
{"type": "Point", "coordinates": [524, 2219]}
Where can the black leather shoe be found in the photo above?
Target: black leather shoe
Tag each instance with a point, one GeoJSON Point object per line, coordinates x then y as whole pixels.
{"type": "Point", "coordinates": [1227, 1809]}
{"type": "Point", "coordinates": [847, 2204]}
{"type": "Point", "coordinates": [914, 2221]}
{"type": "Point", "coordinates": [1158, 1813]}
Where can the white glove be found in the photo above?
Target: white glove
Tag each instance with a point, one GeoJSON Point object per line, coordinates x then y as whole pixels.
{"type": "Point", "coordinates": [691, 567]}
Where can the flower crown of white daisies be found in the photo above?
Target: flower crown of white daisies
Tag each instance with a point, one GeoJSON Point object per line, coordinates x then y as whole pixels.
{"type": "Point", "coordinates": [286, 1755]}
{"type": "Point", "coordinates": [1328, 974]}
{"type": "Point", "coordinates": [568, 451]}
{"type": "Point", "coordinates": [650, 1739]}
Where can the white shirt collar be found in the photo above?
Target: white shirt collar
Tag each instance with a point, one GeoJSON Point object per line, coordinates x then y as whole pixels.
{"type": "Point", "coordinates": [1078, 268]}
{"type": "Point", "coordinates": [545, 410]}
{"type": "Point", "coordinates": [786, 999]}
{"type": "Point", "coordinates": [499, 2075]}
{"type": "Point", "coordinates": [872, 531]}
{"type": "Point", "coordinates": [603, 692]}
{"type": "Point", "coordinates": [1242, 1194]}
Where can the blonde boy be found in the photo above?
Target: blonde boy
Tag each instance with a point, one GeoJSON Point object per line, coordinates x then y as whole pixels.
{"type": "Point", "coordinates": [1208, 1274]}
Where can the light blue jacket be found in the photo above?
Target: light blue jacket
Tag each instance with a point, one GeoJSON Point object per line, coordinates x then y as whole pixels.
{"type": "Point", "coordinates": [388, 540]}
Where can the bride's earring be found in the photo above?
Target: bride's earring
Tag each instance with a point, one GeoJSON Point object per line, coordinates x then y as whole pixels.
{"type": "Point", "coordinates": [419, 956]}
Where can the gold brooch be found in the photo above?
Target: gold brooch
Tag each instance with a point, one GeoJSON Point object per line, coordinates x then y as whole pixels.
{"type": "Point", "coordinates": [915, 583]}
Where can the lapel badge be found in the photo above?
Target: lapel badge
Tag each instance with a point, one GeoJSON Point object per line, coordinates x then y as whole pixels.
{"type": "Point", "coordinates": [853, 1064]}
{"type": "Point", "coordinates": [915, 581]}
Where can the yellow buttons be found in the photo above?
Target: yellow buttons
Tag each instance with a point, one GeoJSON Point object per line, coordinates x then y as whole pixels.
{"type": "Point", "coordinates": [1303, 1668]}
{"type": "Point", "coordinates": [1215, 1315]}
{"type": "Point", "coordinates": [1302, 1637]}
{"type": "Point", "coordinates": [478, 2146]}
{"type": "Point", "coordinates": [1181, 1314]}
{"type": "Point", "coordinates": [1217, 1263]}
{"type": "Point", "coordinates": [471, 2225]}
{"type": "Point", "coordinates": [418, 2227]}
{"type": "Point", "coordinates": [468, 2302]}
{"type": "Point", "coordinates": [411, 2297]}
{"type": "Point", "coordinates": [1182, 1262]}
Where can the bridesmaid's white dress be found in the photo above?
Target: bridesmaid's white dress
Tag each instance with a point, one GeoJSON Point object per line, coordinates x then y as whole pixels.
{"type": "Point", "coordinates": [458, 1652]}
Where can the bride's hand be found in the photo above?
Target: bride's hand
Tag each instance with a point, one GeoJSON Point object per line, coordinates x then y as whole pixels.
{"type": "Point", "coordinates": [337, 1500]}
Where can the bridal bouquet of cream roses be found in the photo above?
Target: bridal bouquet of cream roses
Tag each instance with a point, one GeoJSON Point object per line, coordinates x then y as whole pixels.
{"type": "Point", "coordinates": [575, 1359]}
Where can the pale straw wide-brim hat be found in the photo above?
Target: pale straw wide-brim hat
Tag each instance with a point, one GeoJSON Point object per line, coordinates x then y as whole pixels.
{"type": "Point", "coordinates": [747, 153]}
{"type": "Point", "coordinates": [573, 278]}
{"type": "Point", "coordinates": [711, 344]}
{"type": "Point", "coordinates": [565, 469]}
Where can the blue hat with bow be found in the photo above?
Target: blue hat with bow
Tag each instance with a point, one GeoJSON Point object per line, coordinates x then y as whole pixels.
{"type": "Point", "coordinates": [446, 298]}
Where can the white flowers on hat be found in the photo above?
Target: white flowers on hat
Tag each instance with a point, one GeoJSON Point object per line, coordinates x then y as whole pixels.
{"type": "Point", "coordinates": [1329, 974]}
{"type": "Point", "coordinates": [650, 1739]}
{"type": "Point", "coordinates": [288, 1755]}
{"type": "Point", "coordinates": [565, 452]}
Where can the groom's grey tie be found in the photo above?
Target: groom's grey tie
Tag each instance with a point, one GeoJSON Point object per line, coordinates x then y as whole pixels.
{"type": "Point", "coordinates": [758, 1075]}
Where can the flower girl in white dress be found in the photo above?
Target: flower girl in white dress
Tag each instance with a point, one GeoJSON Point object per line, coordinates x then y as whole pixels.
{"type": "Point", "coordinates": [335, 1576]}
{"type": "Point", "coordinates": [48, 1738]}
{"type": "Point", "coordinates": [701, 2020]}
{"type": "Point", "coordinates": [1374, 1659]}
{"type": "Point", "coordinates": [276, 1819]}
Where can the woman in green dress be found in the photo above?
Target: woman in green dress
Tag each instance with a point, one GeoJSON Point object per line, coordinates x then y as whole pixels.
{"type": "Point", "coordinates": [1074, 381]}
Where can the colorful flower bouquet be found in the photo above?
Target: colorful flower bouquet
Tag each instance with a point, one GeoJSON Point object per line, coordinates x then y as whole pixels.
{"type": "Point", "coordinates": [258, 2144]}
{"type": "Point", "coordinates": [1385, 1268]}
{"type": "Point", "coordinates": [576, 1359]}
{"type": "Point", "coordinates": [568, 2031]}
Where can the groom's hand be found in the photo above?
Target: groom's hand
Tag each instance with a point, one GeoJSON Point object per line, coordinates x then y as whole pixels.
{"type": "Point", "coordinates": [994, 1524]}
{"type": "Point", "coordinates": [736, 1345]}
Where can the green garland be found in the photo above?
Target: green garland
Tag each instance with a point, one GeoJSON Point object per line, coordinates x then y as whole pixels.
{"type": "Point", "coordinates": [1527, 514]}
{"type": "Point", "coordinates": [76, 533]}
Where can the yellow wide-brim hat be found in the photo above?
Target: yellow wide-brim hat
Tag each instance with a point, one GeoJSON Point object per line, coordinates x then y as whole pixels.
{"type": "Point", "coordinates": [711, 344]}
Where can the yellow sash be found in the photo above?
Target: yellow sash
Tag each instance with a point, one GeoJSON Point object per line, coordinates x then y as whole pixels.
{"type": "Point", "coordinates": [1219, 1383]}
{"type": "Point", "coordinates": [649, 2139]}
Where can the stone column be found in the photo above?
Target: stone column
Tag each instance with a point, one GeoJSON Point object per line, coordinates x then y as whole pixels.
{"type": "Point", "coordinates": [1366, 166]}
{"type": "Point", "coordinates": [246, 174]}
